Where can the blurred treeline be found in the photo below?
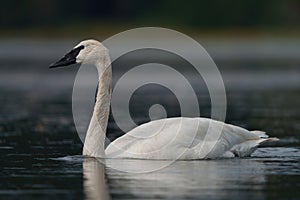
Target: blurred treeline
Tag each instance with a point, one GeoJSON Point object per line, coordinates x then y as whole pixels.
{"type": "Point", "coordinates": [194, 13]}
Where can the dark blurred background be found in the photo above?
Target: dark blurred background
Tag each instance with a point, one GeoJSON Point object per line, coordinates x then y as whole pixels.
{"type": "Point", "coordinates": [255, 44]}
{"type": "Point", "coordinates": [48, 17]}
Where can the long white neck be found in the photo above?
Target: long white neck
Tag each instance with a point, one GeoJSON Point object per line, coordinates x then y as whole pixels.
{"type": "Point", "coordinates": [95, 136]}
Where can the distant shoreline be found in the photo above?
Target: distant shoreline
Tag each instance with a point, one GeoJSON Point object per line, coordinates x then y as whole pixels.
{"type": "Point", "coordinates": [96, 30]}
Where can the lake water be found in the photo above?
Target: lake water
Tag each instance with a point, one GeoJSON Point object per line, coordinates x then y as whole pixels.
{"type": "Point", "coordinates": [40, 150]}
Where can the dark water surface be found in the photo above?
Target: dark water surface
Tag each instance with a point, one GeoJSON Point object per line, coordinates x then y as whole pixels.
{"type": "Point", "coordinates": [40, 150]}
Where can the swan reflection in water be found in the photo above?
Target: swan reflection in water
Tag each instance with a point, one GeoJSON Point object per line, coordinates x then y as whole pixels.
{"type": "Point", "coordinates": [182, 179]}
{"type": "Point", "coordinates": [94, 184]}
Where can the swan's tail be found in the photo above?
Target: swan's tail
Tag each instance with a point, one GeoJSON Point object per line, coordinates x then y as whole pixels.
{"type": "Point", "coordinates": [246, 148]}
{"type": "Point", "coordinates": [263, 135]}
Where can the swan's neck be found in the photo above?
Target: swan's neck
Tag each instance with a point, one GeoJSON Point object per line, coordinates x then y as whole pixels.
{"type": "Point", "coordinates": [95, 136]}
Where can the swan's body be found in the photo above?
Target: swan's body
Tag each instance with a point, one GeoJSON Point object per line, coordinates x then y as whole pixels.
{"type": "Point", "coordinates": [182, 138]}
{"type": "Point", "coordinates": [172, 138]}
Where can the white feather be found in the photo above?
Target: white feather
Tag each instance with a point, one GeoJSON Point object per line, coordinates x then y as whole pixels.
{"type": "Point", "coordinates": [172, 138]}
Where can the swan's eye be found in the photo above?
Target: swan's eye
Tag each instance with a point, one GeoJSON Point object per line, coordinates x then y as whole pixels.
{"type": "Point", "coordinates": [75, 51]}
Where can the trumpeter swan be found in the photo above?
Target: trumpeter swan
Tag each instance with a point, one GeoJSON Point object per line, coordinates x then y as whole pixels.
{"type": "Point", "coordinates": [171, 138]}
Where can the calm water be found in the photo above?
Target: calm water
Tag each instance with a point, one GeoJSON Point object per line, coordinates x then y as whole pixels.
{"type": "Point", "coordinates": [40, 150]}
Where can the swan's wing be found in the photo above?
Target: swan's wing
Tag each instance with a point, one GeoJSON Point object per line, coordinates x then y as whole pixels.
{"type": "Point", "coordinates": [179, 138]}
{"type": "Point", "coordinates": [163, 138]}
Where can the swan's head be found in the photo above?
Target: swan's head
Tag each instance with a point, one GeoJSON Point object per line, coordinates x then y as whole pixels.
{"type": "Point", "coordinates": [86, 52]}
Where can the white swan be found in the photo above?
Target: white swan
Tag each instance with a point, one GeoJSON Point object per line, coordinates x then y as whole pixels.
{"type": "Point", "coordinates": [172, 138]}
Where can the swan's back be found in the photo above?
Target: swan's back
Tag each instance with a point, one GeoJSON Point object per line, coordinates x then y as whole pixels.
{"type": "Point", "coordinates": [185, 138]}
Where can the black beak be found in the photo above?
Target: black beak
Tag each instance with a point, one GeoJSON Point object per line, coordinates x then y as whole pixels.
{"type": "Point", "coordinates": [68, 59]}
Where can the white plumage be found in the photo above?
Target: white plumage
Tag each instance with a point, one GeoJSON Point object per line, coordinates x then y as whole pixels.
{"type": "Point", "coordinates": [169, 139]}
{"type": "Point", "coordinates": [184, 138]}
